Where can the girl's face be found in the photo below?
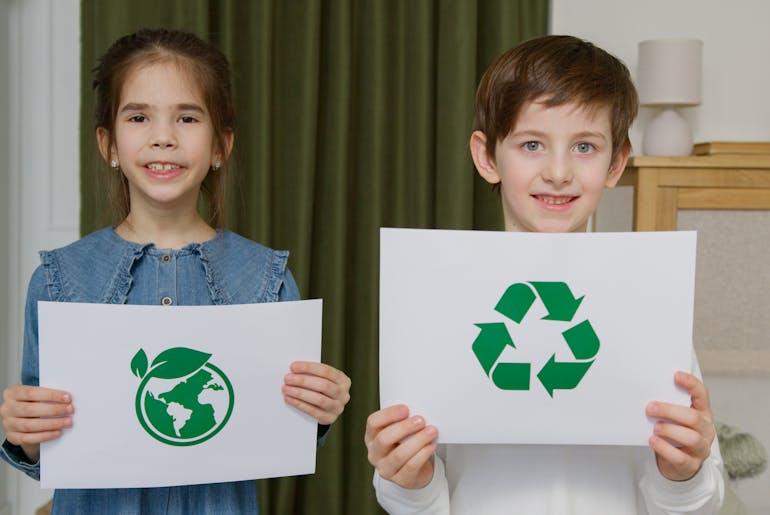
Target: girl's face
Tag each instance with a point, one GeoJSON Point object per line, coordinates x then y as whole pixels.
{"type": "Point", "coordinates": [164, 139]}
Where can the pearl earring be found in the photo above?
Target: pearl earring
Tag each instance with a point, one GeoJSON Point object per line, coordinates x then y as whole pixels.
{"type": "Point", "coordinates": [217, 165]}
{"type": "Point", "coordinates": [114, 163]}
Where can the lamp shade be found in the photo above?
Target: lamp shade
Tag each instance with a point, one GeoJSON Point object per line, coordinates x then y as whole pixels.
{"type": "Point", "coordinates": [670, 72]}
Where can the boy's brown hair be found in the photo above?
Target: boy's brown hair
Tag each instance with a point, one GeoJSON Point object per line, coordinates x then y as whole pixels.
{"type": "Point", "coordinates": [558, 70]}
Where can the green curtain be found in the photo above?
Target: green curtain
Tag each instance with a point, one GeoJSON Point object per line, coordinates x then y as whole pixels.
{"type": "Point", "coordinates": [352, 115]}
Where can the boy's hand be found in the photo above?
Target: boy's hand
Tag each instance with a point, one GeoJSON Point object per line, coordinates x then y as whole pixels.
{"type": "Point", "coordinates": [401, 447]}
{"type": "Point", "coordinates": [319, 390]}
{"type": "Point", "coordinates": [32, 414]}
{"type": "Point", "coordinates": [691, 429]}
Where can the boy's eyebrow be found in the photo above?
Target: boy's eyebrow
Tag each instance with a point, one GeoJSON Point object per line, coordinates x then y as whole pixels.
{"type": "Point", "coordinates": [137, 106]}
{"type": "Point", "coordinates": [539, 134]}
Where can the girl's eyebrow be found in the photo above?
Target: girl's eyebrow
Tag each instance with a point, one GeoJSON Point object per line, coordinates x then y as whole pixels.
{"type": "Point", "coordinates": [136, 106]}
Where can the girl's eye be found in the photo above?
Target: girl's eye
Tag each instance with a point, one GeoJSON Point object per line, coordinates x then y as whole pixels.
{"type": "Point", "coordinates": [187, 119]}
{"type": "Point", "coordinates": [584, 148]}
{"type": "Point", "coordinates": [532, 146]}
{"type": "Point", "coordinates": [138, 118]}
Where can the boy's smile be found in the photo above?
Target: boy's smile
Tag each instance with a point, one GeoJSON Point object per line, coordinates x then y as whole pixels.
{"type": "Point", "coordinates": [552, 167]}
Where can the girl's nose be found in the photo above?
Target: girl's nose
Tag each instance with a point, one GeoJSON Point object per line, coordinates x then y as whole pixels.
{"type": "Point", "coordinates": [162, 137]}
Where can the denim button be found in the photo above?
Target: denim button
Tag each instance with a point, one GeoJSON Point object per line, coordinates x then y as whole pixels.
{"type": "Point", "coordinates": [166, 258]}
{"type": "Point", "coordinates": [166, 301]}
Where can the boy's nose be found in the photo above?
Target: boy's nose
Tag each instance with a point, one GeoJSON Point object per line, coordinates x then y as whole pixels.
{"type": "Point", "coordinates": [557, 171]}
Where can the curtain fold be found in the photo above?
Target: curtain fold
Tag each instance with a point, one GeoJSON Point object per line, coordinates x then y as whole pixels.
{"type": "Point", "coordinates": [351, 115]}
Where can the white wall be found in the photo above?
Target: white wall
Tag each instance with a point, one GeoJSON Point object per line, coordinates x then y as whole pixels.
{"type": "Point", "coordinates": [736, 67]}
{"type": "Point", "coordinates": [41, 67]}
{"type": "Point", "coordinates": [735, 107]}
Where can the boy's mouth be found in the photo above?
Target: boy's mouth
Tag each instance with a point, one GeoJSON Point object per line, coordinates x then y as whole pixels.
{"type": "Point", "coordinates": [555, 200]}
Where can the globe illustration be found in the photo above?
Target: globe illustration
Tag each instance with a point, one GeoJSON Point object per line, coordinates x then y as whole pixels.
{"type": "Point", "coordinates": [186, 410]}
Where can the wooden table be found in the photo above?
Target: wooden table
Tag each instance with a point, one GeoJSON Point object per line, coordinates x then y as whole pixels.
{"type": "Point", "coordinates": [663, 185]}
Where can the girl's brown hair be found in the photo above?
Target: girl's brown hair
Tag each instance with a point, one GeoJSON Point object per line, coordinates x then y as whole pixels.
{"type": "Point", "coordinates": [204, 63]}
{"type": "Point", "coordinates": [560, 70]}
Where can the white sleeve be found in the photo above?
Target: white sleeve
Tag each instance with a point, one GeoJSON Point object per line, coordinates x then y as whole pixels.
{"type": "Point", "coordinates": [433, 499]}
{"type": "Point", "coordinates": [700, 495]}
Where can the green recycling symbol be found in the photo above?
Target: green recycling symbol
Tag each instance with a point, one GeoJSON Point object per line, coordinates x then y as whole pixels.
{"type": "Point", "coordinates": [515, 303]}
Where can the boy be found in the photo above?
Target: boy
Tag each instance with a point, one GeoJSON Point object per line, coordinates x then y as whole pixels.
{"type": "Point", "coordinates": [551, 131]}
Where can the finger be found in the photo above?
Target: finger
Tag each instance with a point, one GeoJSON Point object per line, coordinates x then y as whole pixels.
{"type": "Point", "coordinates": [317, 413]}
{"type": "Point", "coordinates": [32, 438]}
{"type": "Point", "coordinates": [27, 393]}
{"type": "Point", "coordinates": [36, 425]}
{"type": "Point", "coordinates": [321, 370]}
{"type": "Point", "coordinates": [383, 418]}
{"type": "Point", "coordinates": [697, 390]}
{"type": "Point", "coordinates": [411, 469]}
{"type": "Point", "coordinates": [395, 461]}
{"type": "Point", "coordinates": [311, 382]}
{"type": "Point", "coordinates": [682, 415]}
{"type": "Point", "coordinates": [318, 400]}
{"type": "Point", "coordinates": [684, 465]}
{"type": "Point", "coordinates": [394, 434]}
{"type": "Point", "coordinates": [692, 441]}
{"type": "Point", "coordinates": [39, 409]}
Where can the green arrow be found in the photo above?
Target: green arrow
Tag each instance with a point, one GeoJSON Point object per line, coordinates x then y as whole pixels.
{"type": "Point", "coordinates": [558, 300]}
{"type": "Point", "coordinates": [511, 376]}
{"type": "Point", "coordinates": [556, 375]}
{"type": "Point", "coordinates": [490, 342]}
{"type": "Point", "coordinates": [516, 301]}
{"type": "Point", "coordinates": [582, 340]}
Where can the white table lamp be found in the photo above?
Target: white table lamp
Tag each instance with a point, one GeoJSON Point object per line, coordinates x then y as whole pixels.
{"type": "Point", "coordinates": [669, 77]}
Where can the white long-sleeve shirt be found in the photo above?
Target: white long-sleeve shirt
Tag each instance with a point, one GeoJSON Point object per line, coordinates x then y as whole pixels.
{"type": "Point", "coordinates": [554, 479]}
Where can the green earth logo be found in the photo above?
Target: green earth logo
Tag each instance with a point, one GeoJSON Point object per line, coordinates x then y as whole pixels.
{"type": "Point", "coordinates": [182, 398]}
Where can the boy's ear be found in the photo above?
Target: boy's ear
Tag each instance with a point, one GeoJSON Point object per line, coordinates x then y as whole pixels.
{"type": "Point", "coordinates": [617, 167]}
{"type": "Point", "coordinates": [485, 164]}
{"type": "Point", "coordinates": [103, 141]}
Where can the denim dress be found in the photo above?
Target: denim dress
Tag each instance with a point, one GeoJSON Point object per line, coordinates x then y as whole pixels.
{"type": "Point", "coordinates": [103, 268]}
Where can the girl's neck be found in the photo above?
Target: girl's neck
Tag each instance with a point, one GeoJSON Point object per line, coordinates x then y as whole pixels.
{"type": "Point", "coordinates": [166, 233]}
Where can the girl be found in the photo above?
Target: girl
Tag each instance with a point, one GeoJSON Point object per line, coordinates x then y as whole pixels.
{"type": "Point", "coordinates": [164, 124]}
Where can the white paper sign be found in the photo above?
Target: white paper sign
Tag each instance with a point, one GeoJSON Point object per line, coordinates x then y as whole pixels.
{"type": "Point", "coordinates": [171, 396]}
{"type": "Point", "coordinates": [499, 337]}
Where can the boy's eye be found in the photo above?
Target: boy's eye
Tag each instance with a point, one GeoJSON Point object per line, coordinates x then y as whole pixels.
{"type": "Point", "coordinates": [584, 148]}
{"type": "Point", "coordinates": [532, 146]}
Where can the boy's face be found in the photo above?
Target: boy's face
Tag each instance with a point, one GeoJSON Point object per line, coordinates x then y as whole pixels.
{"type": "Point", "coordinates": [552, 167]}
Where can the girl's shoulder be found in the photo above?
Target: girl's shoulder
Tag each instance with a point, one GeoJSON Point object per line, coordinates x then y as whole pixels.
{"type": "Point", "coordinates": [242, 271]}
{"type": "Point", "coordinates": [90, 269]}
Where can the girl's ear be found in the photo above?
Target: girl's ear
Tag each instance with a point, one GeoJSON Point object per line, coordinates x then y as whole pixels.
{"type": "Point", "coordinates": [617, 167]}
{"type": "Point", "coordinates": [485, 164]}
{"type": "Point", "coordinates": [218, 158]}
{"type": "Point", "coordinates": [103, 141]}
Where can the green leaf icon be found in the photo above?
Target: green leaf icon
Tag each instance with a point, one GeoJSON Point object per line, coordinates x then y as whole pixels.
{"type": "Point", "coordinates": [178, 362]}
{"type": "Point", "coordinates": [139, 364]}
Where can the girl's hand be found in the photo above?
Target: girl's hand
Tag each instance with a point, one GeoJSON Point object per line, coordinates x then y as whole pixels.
{"type": "Point", "coordinates": [690, 429]}
{"type": "Point", "coordinates": [32, 414]}
{"type": "Point", "coordinates": [401, 447]}
{"type": "Point", "coordinates": [319, 390]}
